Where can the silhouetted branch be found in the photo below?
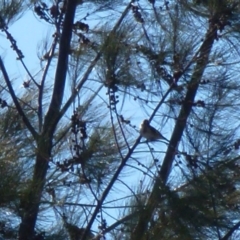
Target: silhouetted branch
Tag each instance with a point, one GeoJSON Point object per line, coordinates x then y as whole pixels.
{"type": "Point", "coordinates": [231, 231]}
{"type": "Point", "coordinates": [61, 70]}
{"type": "Point", "coordinates": [16, 102]}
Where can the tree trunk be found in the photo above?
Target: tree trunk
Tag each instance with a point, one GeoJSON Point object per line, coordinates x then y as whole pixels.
{"type": "Point", "coordinates": [180, 125]}
{"type": "Point", "coordinates": [31, 197]}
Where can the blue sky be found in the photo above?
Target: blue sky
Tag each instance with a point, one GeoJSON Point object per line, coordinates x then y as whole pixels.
{"type": "Point", "coordinates": [27, 31]}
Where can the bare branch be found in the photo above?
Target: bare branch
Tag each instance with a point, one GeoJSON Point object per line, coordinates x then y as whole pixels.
{"type": "Point", "coordinates": [61, 70]}
{"type": "Point", "coordinates": [231, 231]}
{"type": "Point", "coordinates": [16, 102]}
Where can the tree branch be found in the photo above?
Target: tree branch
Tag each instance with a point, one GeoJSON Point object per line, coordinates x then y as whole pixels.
{"type": "Point", "coordinates": [61, 70]}
{"type": "Point", "coordinates": [231, 231]}
{"type": "Point", "coordinates": [16, 102]}
{"type": "Point", "coordinates": [180, 125]}
{"type": "Point", "coordinates": [93, 63]}
{"type": "Point", "coordinates": [49, 60]}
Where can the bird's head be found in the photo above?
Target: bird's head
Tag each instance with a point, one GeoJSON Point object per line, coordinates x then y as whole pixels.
{"type": "Point", "coordinates": [145, 122]}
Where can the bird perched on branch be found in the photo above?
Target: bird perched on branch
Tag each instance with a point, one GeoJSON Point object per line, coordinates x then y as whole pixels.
{"type": "Point", "coordinates": [149, 132]}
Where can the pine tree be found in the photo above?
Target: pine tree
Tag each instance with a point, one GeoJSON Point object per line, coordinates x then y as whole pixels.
{"type": "Point", "coordinates": [73, 164]}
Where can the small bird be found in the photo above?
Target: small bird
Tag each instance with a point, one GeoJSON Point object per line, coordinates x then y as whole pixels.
{"type": "Point", "coordinates": [149, 132]}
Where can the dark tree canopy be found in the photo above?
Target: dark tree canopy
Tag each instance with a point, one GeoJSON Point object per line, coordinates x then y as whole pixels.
{"type": "Point", "coordinates": [73, 163]}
